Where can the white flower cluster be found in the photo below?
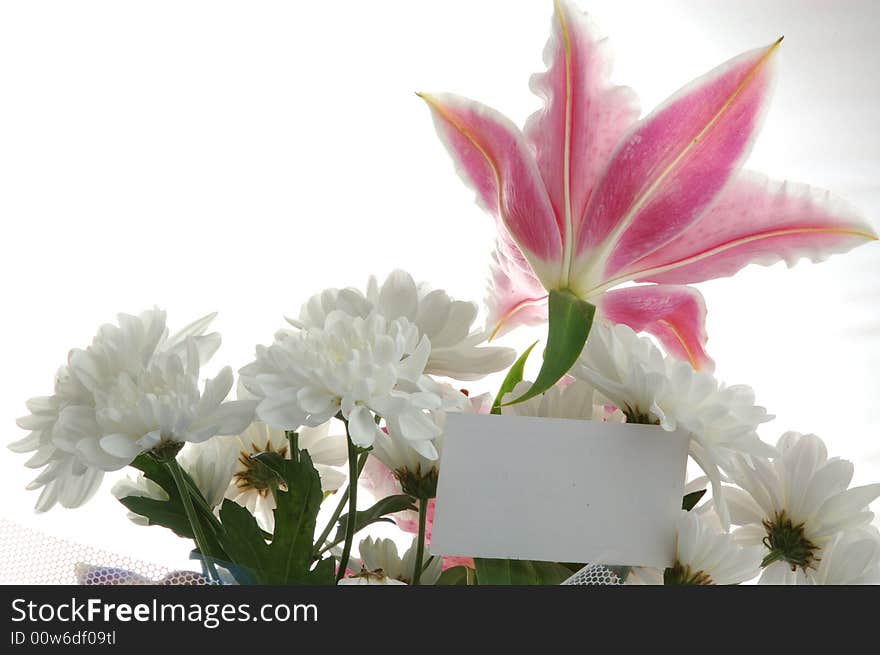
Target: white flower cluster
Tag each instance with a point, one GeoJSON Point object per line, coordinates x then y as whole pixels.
{"type": "Point", "coordinates": [632, 373]}
{"type": "Point", "coordinates": [366, 357]}
{"type": "Point", "coordinates": [133, 390]}
{"type": "Point", "coordinates": [799, 520]}
{"type": "Point", "coordinates": [370, 361]}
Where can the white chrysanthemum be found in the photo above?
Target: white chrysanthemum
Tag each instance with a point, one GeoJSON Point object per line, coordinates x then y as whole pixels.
{"type": "Point", "coordinates": [416, 473]}
{"type": "Point", "coordinates": [63, 433]}
{"type": "Point", "coordinates": [250, 483]}
{"type": "Point", "coordinates": [704, 555]}
{"type": "Point", "coordinates": [210, 464]}
{"type": "Point", "coordinates": [357, 367]}
{"type": "Point", "coordinates": [577, 400]}
{"type": "Point", "coordinates": [650, 388]}
{"type": "Point", "coordinates": [162, 406]}
{"type": "Point", "coordinates": [381, 555]}
{"type": "Point", "coordinates": [850, 558]}
{"type": "Point", "coordinates": [795, 505]}
{"type": "Point", "coordinates": [455, 347]}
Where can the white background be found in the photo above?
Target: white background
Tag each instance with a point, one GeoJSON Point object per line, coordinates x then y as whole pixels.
{"type": "Point", "coordinates": [239, 157]}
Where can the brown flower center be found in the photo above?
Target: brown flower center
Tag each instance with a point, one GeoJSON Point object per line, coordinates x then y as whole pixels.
{"type": "Point", "coordinates": [789, 543]}
{"type": "Point", "coordinates": [683, 575]}
{"type": "Point", "coordinates": [256, 476]}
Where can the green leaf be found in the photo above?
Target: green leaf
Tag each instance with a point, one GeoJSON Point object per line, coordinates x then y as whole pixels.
{"type": "Point", "coordinates": [690, 500]}
{"type": "Point", "coordinates": [519, 572]}
{"type": "Point", "coordinates": [376, 513]}
{"type": "Point", "coordinates": [457, 575]}
{"type": "Point", "coordinates": [570, 321]}
{"type": "Point", "coordinates": [288, 558]}
{"type": "Point", "coordinates": [168, 514]}
{"type": "Point", "coordinates": [171, 513]}
{"type": "Point", "coordinates": [156, 472]}
{"type": "Point", "coordinates": [514, 377]}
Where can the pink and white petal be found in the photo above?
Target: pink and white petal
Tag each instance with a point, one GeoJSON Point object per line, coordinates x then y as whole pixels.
{"type": "Point", "coordinates": [493, 158]}
{"type": "Point", "coordinates": [583, 116]}
{"type": "Point", "coordinates": [675, 315]}
{"type": "Point", "coordinates": [757, 220]}
{"type": "Point", "coordinates": [514, 296]}
{"type": "Point", "coordinates": [671, 166]}
{"type": "Point", "coordinates": [451, 562]}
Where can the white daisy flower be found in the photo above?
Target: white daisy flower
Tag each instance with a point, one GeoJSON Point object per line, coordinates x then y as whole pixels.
{"type": "Point", "coordinates": [250, 482]}
{"type": "Point", "coordinates": [795, 505]}
{"type": "Point", "coordinates": [850, 558]}
{"type": "Point", "coordinates": [63, 434]}
{"type": "Point", "coordinates": [705, 556]}
{"type": "Point", "coordinates": [651, 388]}
{"type": "Point", "coordinates": [382, 555]}
{"type": "Point", "coordinates": [416, 473]}
{"type": "Point", "coordinates": [455, 346]}
{"type": "Point", "coordinates": [359, 368]}
{"type": "Point", "coordinates": [576, 399]}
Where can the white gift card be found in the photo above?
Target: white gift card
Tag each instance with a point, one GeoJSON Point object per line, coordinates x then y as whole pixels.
{"type": "Point", "coordinates": [559, 490]}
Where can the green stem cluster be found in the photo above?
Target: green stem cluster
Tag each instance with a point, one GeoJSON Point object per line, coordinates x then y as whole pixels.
{"type": "Point", "coordinates": [186, 497]}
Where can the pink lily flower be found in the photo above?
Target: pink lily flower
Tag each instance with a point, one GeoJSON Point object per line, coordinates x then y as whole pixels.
{"type": "Point", "coordinates": [588, 198]}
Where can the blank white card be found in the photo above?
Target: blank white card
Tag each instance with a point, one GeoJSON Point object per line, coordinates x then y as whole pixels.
{"type": "Point", "coordinates": [559, 490]}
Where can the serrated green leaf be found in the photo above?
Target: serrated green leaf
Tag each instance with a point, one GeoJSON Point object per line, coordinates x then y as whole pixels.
{"type": "Point", "coordinates": [514, 377]}
{"type": "Point", "coordinates": [167, 514]}
{"type": "Point", "coordinates": [519, 572]}
{"type": "Point", "coordinates": [570, 321]}
{"type": "Point", "coordinates": [288, 558]}
{"type": "Point", "coordinates": [690, 500]}
{"type": "Point", "coordinates": [171, 513]}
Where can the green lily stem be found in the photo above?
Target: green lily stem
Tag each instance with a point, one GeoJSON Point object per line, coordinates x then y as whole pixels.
{"type": "Point", "coordinates": [321, 544]}
{"type": "Point", "coordinates": [352, 504]}
{"type": "Point", "coordinates": [199, 536]}
{"type": "Point", "coordinates": [420, 547]}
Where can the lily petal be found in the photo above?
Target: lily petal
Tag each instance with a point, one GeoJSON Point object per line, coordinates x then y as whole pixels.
{"type": "Point", "coordinates": [676, 315]}
{"type": "Point", "coordinates": [493, 158]}
{"type": "Point", "coordinates": [515, 296]}
{"type": "Point", "coordinates": [670, 167]}
{"type": "Point", "coordinates": [757, 221]}
{"type": "Point", "coordinates": [583, 117]}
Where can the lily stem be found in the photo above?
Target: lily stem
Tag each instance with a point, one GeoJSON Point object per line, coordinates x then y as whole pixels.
{"type": "Point", "coordinates": [353, 473]}
{"type": "Point", "coordinates": [420, 545]}
{"type": "Point", "coordinates": [194, 522]}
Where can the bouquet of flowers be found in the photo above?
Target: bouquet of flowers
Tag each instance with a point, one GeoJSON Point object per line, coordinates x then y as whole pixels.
{"type": "Point", "coordinates": [603, 219]}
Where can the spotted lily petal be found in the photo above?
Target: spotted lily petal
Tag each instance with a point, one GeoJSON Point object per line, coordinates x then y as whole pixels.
{"type": "Point", "coordinates": [670, 167]}
{"type": "Point", "coordinates": [756, 220]}
{"type": "Point", "coordinates": [494, 159]}
{"type": "Point", "coordinates": [676, 315]}
{"type": "Point", "coordinates": [582, 119]}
